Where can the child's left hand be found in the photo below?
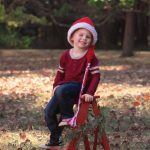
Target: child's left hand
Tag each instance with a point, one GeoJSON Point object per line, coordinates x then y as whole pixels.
{"type": "Point", "coordinates": [87, 97]}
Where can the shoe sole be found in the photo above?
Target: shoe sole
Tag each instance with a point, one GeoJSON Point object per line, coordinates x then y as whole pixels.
{"type": "Point", "coordinates": [63, 147]}
{"type": "Point", "coordinates": [63, 124]}
{"type": "Point", "coordinates": [43, 146]}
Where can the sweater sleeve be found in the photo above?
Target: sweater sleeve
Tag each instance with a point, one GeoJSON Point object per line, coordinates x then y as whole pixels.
{"type": "Point", "coordinates": [95, 76]}
{"type": "Point", "coordinates": [60, 70]}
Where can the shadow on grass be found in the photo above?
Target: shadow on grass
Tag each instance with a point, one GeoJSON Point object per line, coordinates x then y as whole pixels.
{"type": "Point", "coordinates": [113, 69]}
{"type": "Point", "coordinates": [126, 127]}
{"type": "Point", "coordinates": [19, 112]}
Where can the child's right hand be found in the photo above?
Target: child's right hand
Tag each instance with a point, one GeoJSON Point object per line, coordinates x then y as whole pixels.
{"type": "Point", "coordinates": [87, 97]}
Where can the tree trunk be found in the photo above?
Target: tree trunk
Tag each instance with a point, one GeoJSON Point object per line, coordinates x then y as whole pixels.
{"type": "Point", "coordinates": [148, 36]}
{"type": "Point", "coordinates": [128, 42]}
{"type": "Point", "coordinates": [141, 30]}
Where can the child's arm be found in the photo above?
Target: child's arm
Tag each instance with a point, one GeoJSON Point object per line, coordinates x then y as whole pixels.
{"type": "Point", "coordinates": [59, 77]}
{"type": "Point", "coordinates": [60, 72]}
{"type": "Point", "coordinates": [93, 84]}
{"type": "Point", "coordinates": [95, 77]}
{"type": "Point", "coordinates": [88, 97]}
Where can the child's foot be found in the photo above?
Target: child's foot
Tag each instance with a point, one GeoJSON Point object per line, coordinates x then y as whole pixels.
{"type": "Point", "coordinates": [63, 123]}
{"type": "Point", "coordinates": [51, 144]}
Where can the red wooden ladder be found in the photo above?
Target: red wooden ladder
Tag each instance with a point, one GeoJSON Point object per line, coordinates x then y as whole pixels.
{"type": "Point", "coordinates": [81, 120]}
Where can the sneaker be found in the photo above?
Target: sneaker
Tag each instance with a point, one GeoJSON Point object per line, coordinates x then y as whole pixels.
{"type": "Point", "coordinates": [63, 123]}
{"type": "Point", "coordinates": [51, 144]}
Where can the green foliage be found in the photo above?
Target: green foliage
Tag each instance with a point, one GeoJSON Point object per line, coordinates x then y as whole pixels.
{"type": "Point", "coordinates": [26, 41]}
{"type": "Point", "coordinates": [98, 3]}
{"type": "Point", "coordinates": [63, 10]}
{"type": "Point", "coordinates": [2, 12]}
{"type": "Point", "coordinates": [148, 13]}
{"type": "Point", "coordinates": [9, 38]}
{"type": "Point", "coordinates": [127, 3]}
{"type": "Point", "coordinates": [19, 18]}
{"type": "Point", "coordinates": [112, 3]}
{"type": "Point", "coordinates": [88, 128]}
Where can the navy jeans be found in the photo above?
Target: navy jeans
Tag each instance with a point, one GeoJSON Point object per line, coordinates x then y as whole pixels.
{"type": "Point", "coordinates": [61, 103]}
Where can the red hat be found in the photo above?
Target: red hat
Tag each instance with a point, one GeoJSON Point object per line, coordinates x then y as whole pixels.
{"type": "Point", "coordinates": [85, 23]}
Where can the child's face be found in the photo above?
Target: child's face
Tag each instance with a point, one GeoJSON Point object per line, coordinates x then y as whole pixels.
{"type": "Point", "coordinates": [81, 38]}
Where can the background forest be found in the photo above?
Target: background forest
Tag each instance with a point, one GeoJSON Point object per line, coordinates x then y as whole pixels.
{"type": "Point", "coordinates": [121, 24]}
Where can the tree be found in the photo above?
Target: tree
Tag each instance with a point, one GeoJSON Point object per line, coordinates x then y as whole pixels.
{"type": "Point", "coordinates": [130, 8]}
{"type": "Point", "coordinates": [148, 36]}
{"type": "Point", "coordinates": [128, 41]}
{"type": "Point", "coordinates": [40, 8]}
{"type": "Point", "coordinates": [63, 12]}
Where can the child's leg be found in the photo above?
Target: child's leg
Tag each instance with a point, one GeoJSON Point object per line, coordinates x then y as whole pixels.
{"type": "Point", "coordinates": [51, 110]}
{"type": "Point", "coordinates": [66, 95]}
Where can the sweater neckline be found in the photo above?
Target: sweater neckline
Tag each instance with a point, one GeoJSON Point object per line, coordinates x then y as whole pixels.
{"type": "Point", "coordinates": [76, 57]}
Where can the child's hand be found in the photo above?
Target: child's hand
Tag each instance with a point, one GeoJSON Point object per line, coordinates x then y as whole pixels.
{"type": "Point", "coordinates": [87, 97]}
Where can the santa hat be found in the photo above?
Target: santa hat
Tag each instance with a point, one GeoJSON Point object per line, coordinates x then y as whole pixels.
{"type": "Point", "coordinates": [85, 23]}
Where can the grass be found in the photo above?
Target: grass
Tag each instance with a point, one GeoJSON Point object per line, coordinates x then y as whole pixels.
{"type": "Point", "coordinates": [26, 79]}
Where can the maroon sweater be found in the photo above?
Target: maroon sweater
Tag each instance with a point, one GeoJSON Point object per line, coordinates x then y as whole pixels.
{"type": "Point", "coordinates": [72, 70]}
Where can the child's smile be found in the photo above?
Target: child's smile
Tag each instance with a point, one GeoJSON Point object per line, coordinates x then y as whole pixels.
{"type": "Point", "coordinates": [82, 39]}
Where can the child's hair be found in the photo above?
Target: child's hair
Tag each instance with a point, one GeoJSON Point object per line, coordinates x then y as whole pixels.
{"type": "Point", "coordinates": [85, 23]}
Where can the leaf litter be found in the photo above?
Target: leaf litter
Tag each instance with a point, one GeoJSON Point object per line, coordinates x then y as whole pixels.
{"type": "Point", "coordinates": [26, 79]}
